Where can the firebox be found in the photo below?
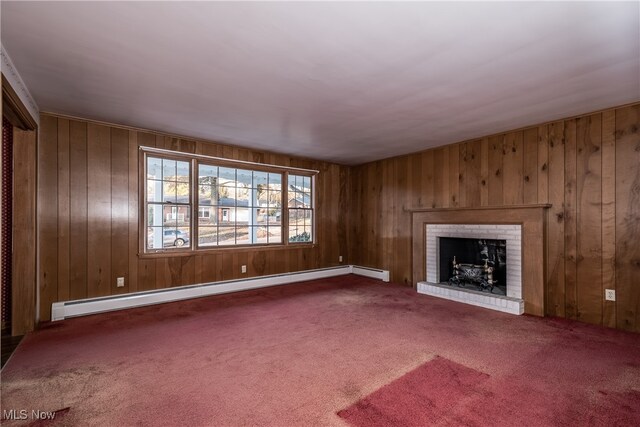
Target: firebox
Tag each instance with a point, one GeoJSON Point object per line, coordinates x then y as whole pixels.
{"type": "Point", "coordinates": [475, 264]}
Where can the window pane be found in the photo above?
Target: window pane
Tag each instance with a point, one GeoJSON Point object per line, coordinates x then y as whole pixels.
{"type": "Point", "coordinates": [243, 235]}
{"type": "Point", "coordinates": [227, 236]}
{"type": "Point", "coordinates": [154, 237]}
{"type": "Point", "coordinates": [242, 196]}
{"type": "Point", "coordinates": [182, 169]}
{"type": "Point", "coordinates": [205, 194]}
{"type": "Point", "coordinates": [226, 195]}
{"type": "Point", "coordinates": [260, 179]}
{"type": "Point", "coordinates": [275, 234]}
{"type": "Point", "coordinates": [154, 168]}
{"type": "Point", "coordinates": [227, 216]}
{"type": "Point", "coordinates": [169, 192]}
{"type": "Point", "coordinates": [182, 191]}
{"type": "Point", "coordinates": [292, 181]}
{"type": "Point", "coordinates": [207, 174]}
{"type": "Point", "coordinates": [275, 216]}
{"type": "Point", "coordinates": [207, 236]}
{"type": "Point", "coordinates": [154, 215]}
{"type": "Point", "coordinates": [168, 170]}
{"type": "Point", "coordinates": [242, 216]}
{"type": "Point", "coordinates": [170, 216]}
{"type": "Point", "coordinates": [275, 180]}
{"type": "Point", "coordinates": [306, 184]}
{"type": "Point", "coordinates": [261, 235]}
{"type": "Point", "coordinates": [227, 175]}
{"type": "Point", "coordinates": [207, 215]}
{"type": "Point", "coordinates": [260, 216]}
{"type": "Point", "coordinates": [154, 191]}
{"type": "Point", "coordinates": [243, 178]}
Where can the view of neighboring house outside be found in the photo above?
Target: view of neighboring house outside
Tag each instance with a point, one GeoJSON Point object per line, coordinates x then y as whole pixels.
{"type": "Point", "coordinates": [234, 206]}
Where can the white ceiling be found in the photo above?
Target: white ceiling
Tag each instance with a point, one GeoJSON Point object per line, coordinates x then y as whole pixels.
{"type": "Point", "coordinates": [344, 82]}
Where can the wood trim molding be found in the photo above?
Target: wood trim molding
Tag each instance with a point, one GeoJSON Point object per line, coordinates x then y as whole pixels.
{"type": "Point", "coordinates": [14, 109]}
{"type": "Point", "coordinates": [21, 99]}
{"type": "Point", "coordinates": [479, 208]}
{"type": "Point", "coordinates": [533, 220]}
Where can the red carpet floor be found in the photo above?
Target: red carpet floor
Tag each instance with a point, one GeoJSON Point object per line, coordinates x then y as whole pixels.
{"type": "Point", "coordinates": [324, 353]}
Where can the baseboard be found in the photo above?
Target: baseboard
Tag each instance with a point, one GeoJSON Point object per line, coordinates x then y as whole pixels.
{"type": "Point", "coordinates": [83, 307]}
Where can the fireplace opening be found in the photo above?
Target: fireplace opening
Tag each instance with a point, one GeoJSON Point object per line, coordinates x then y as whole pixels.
{"type": "Point", "coordinates": [480, 264]}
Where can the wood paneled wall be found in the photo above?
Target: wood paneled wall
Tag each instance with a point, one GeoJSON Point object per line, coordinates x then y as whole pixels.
{"type": "Point", "coordinates": [88, 218]}
{"type": "Point", "coordinates": [587, 167]}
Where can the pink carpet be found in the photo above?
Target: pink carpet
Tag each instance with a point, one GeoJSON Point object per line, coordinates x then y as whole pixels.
{"type": "Point", "coordinates": [300, 354]}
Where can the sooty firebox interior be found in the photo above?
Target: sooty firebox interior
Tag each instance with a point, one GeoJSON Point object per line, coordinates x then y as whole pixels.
{"type": "Point", "coordinates": [476, 252]}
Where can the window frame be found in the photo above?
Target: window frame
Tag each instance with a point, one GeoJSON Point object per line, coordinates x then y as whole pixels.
{"type": "Point", "coordinates": [195, 160]}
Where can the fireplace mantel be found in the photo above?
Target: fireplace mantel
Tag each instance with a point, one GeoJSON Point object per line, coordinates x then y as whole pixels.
{"type": "Point", "coordinates": [533, 220]}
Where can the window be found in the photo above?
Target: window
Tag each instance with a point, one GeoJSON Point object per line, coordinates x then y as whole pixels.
{"type": "Point", "coordinates": [300, 208]}
{"type": "Point", "coordinates": [168, 204]}
{"type": "Point", "coordinates": [235, 205]}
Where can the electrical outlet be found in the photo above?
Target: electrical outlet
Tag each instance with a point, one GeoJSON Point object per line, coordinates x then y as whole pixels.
{"type": "Point", "coordinates": [120, 282]}
{"type": "Point", "coordinates": [610, 294]}
{"type": "Point", "coordinates": [340, 258]}
{"type": "Point", "coordinates": [244, 268]}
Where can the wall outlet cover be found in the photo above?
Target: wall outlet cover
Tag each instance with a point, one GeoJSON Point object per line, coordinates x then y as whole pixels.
{"type": "Point", "coordinates": [610, 294]}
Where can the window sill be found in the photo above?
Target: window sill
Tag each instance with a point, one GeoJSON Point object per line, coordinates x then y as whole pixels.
{"type": "Point", "coordinates": [210, 251]}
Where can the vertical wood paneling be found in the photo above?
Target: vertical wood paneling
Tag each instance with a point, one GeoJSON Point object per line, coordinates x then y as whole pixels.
{"type": "Point", "coordinates": [119, 209]}
{"type": "Point", "coordinates": [496, 173]}
{"type": "Point", "coordinates": [463, 179]}
{"type": "Point", "coordinates": [133, 208]}
{"type": "Point", "coordinates": [453, 193]}
{"type": "Point", "coordinates": [98, 210]}
{"type": "Point", "coordinates": [555, 296]}
{"type": "Point", "coordinates": [570, 215]}
{"type": "Point", "coordinates": [609, 214]}
{"type": "Point", "coordinates": [439, 177]}
{"type": "Point", "coordinates": [78, 209]}
{"type": "Point", "coordinates": [63, 210]}
{"type": "Point", "coordinates": [589, 289]}
{"type": "Point", "coordinates": [484, 172]}
{"type": "Point", "coordinates": [543, 164]}
{"type": "Point", "coordinates": [513, 165]}
{"type": "Point", "coordinates": [473, 165]}
{"type": "Point", "coordinates": [530, 148]}
{"type": "Point", "coordinates": [628, 218]}
{"type": "Point", "coordinates": [586, 168]}
{"type": "Point", "coordinates": [23, 293]}
{"type": "Point", "coordinates": [47, 214]}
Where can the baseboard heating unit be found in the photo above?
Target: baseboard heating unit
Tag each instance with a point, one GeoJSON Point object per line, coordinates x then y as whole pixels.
{"type": "Point", "coordinates": [83, 307]}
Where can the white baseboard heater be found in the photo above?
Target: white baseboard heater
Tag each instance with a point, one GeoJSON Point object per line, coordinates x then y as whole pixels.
{"type": "Point", "coordinates": [83, 307]}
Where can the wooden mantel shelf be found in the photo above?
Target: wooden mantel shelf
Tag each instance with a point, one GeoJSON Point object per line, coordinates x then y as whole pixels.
{"type": "Point", "coordinates": [480, 208]}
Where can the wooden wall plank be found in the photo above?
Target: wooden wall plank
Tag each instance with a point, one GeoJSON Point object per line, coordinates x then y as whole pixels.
{"type": "Point", "coordinates": [530, 161]}
{"type": "Point", "coordinates": [513, 165]}
{"type": "Point", "coordinates": [570, 215]}
{"type": "Point", "coordinates": [439, 178]}
{"type": "Point", "coordinates": [463, 179]}
{"type": "Point", "coordinates": [133, 209]}
{"type": "Point", "coordinates": [555, 295]}
{"type": "Point", "coordinates": [23, 295]}
{"type": "Point", "coordinates": [451, 189]}
{"type": "Point", "coordinates": [484, 172]}
{"type": "Point", "coordinates": [628, 218]}
{"type": "Point", "coordinates": [543, 164]}
{"type": "Point", "coordinates": [63, 210]}
{"type": "Point", "coordinates": [119, 210]}
{"type": "Point", "coordinates": [78, 209]}
{"type": "Point", "coordinates": [609, 214]}
{"type": "Point", "coordinates": [48, 214]}
{"type": "Point", "coordinates": [473, 166]}
{"type": "Point", "coordinates": [589, 291]}
{"type": "Point", "coordinates": [98, 210]}
{"type": "Point", "coordinates": [496, 172]}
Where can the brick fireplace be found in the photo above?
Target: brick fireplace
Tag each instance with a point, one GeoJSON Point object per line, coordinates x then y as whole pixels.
{"type": "Point", "coordinates": [522, 227]}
